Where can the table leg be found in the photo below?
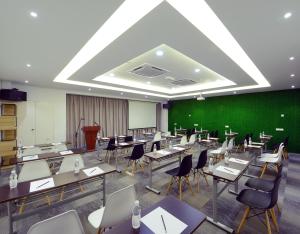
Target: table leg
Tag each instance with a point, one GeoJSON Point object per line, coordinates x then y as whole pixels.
{"type": "Point", "coordinates": [236, 188]}
{"type": "Point", "coordinates": [104, 190]}
{"type": "Point", "coordinates": [116, 159]}
{"type": "Point", "coordinates": [10, 221]}
{"type": "Point", "coordinates": [149, 186]}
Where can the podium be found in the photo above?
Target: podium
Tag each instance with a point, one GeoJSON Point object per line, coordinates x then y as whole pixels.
{"type": "Point", "coordinates": [90, 133]}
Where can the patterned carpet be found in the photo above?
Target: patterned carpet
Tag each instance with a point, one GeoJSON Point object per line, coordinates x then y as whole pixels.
{"type": "Point", "coordinates": [229, 210]}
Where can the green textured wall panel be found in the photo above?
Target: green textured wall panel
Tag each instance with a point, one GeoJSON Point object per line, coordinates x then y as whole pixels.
{"type": "Point", "coordinates": [244, 113]}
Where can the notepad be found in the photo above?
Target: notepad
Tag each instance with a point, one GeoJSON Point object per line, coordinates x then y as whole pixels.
{"type": "Point", "coordinates": [163, 152]}
{"type": "Point", "coordinates": [228, 170]}
{"type": "Point", "coordinates": [154, 222]}
{"type": "Point", "coordinates": [235, 160]}
{"type": "Point", "coordinates": [142, 140]}
{"type": "Point", "coordinates": [54, 144]}
{"type": "Point", "coordinates": [254, 146]}
{"type": "Point", "coordinates": [28, 147]}
{"type": "Point", "coordinates": [66, 152]}
{"type": "Point", "coordinates": [93, 171]}
{"type": "Point", "coordinates": [41, 184]}
{"type": "Point", "coordinates": [178, 148]}
{"type": "Point", "coordinates": [123, 143]}
{"type": "Point", "coordinates": [30, 157]}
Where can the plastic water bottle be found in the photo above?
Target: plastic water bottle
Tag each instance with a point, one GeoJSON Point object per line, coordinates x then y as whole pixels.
{"type": "Point", "coordinates": [170, 144]}
{"type": "Point", "coordinates": [226, 157]}
{"type": "Point", "coordinates": [201, 129]}
{"type": "Point", "coordinates": [13, 179]}
{"type": "Point", "coordinates": [225, 132]}
{"type": "Point", "coordinates": [116, 139]}
{"type": "Point", "coordinates": [207, 136]}
{"type": "Point", "coordinates": [98, 136]}
{"type": "Point", "coordinates": [260, 134]}
{"type": "Point", "coordinates": [210, 164]}
{"type": "Point", "coordinates": [154, 148]}
{"type": "Point", "coordinates": [199, 137]}
{"type": "Point", "coordinates": [136, 215]}
{"type": "Point", "coordinates": [245, 143]}
{"type": "Point", "coordinates": [230, 131]}
{"type": "Point", "coordinates": [134, 138]}
{"type": "Point", "coordinates": [250, 141]}
{"type": "Point", "coordinates": [263, 133]}
{"type": "Point", "coordinates": [76, 166]}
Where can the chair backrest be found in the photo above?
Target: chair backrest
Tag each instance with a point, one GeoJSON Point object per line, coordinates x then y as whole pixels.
{"type": "Point", "coordinates": [185, 166]}
{"type": "Point", "coordinates": [167, 134]}
{"type": "Point", "coordinates": [157, 136]}
{"type": "Point", "coordinates": [34, 170]}
{"type": "Point", "coordinates": [137, 152]}
{"type": "Point", "coordinates": [118, 207]}
{"type": "Point", "coordinates": [224, 146]}
{"type": "Point", "coordinates": [183, 140]}
{"type": "Point", "coordinates": [274, 192]}
{"type": "Point", "coordinates": [111, 143]}
{"type": "Point", "coordinates": [216, 133]}
{"type": "Point", "coordinates": [68, 163]}
{"type": "Point", "coordinates": [157, 143]}
{"type": "Point", "coordinates": [128, 138]}
{"type": "Point", "coordinates": [212, 134]}
{"type": "Point", "coordinates": [286, 142]}
{"type": "Point", "coordinates": [192, 139]}
{"type": "Point", "coordinates": [67, 222]}
{"type": "Point", "coordinates": [247, 138]}
{"type": "Point", "coordinates": [280, 152]}
{"type": "Point", "coordinates": [230, 144]}
{"type": "Point", "coordinates": [202, 159]}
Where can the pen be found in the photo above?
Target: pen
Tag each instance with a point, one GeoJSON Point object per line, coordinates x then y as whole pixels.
{"type": "Point", "coordinates": [162, 218]}
{"type": "Point", "coordinates": [92, 171]}
{"type": "Point", "coordinates": [228, 170]}
{"type": "Point", "coordinates": [42, 184]}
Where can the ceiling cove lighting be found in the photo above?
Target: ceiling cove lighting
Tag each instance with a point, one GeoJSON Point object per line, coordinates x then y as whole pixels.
{"type": "Point", "coordinates": [129, 12]}
{"type": "Point", "coordinates": [159, 53]}
{"type": "Point", "coordinates": [33, 14]}
{"type": "Point", "coordinates": [287, 15]}
{"type": "Point", "coordinates": [204, 19]}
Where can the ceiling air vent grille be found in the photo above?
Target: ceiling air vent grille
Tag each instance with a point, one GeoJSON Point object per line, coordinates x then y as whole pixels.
{"type": "Point", "coordinates": [148, 70]}
{"type": "Point", "coordinates": [183, 82]}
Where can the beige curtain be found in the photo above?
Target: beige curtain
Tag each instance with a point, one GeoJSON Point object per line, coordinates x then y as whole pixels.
{"type": "Point", "coordinates": [111, 114]}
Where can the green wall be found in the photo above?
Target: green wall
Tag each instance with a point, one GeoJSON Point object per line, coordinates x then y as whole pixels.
{"type": "Point", "coordinates": [244, 113]}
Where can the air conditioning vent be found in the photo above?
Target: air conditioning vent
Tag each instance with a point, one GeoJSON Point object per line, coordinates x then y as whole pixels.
{"type": "Point", "coordinates": [183, 82]}
{"type": "Point", "coordinates": [148, 70]}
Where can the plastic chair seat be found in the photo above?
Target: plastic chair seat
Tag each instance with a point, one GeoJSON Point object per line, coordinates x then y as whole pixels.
{"type": "Point", "coordinates": [254, 199]}
{"type": "Point", "coordinates": [95, 218]}
{"type": "Point", "coordinates": [269, 160]}
{"type": "Point", "coordinates": [260, 184]}
{"type": "Point", "coordinates": [173, 172]}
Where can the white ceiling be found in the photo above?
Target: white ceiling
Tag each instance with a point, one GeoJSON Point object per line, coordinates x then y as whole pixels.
{"type": "Point", "coordinates": [51, 40]}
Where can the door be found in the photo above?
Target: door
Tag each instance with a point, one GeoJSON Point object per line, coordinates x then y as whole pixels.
{"type": "Point", "coordinates": [44, 122]}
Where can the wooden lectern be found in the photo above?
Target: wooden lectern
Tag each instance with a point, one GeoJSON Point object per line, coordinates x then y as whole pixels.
{"type": "Point", "coordinates": [90, 133]}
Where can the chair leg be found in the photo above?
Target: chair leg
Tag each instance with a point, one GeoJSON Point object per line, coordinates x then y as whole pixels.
{"type": "Point", "coordinates": [81, 188]}
{"type": "Point", "coordinates": [204, 177]}
{"type": "Point", "coordinates": [133, 167]}
{"type": "Point", "coordinates": [22, 207]}
{"type": "Point", "coordinates": [273, 216]}
{"type": "Point", "coordinates": [180, 188]}
{"type": "Point", "coordinates": [62, 193]}
{"type": "Point", "coordinates": [170, 185]}
{"type": "Point", "coordinates": [263, 170]}
{"type": "Point", "coordinates": [100, 230]}
{"type": "Point", "coordinates": [48, 200]}
{"type": "Point", "coordinates": [198, 182]}
{"type": "Point", "coordinates": [268, 222]}
{"type": "Point", "coordinates": [189, 184]}
{"type": "Point", "coordinates": [243, 221]}
{"type": "Point", "coordinates": [278, 208]}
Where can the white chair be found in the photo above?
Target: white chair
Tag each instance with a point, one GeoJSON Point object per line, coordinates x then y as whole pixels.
{"type": "Point", "coordinates": [192, 139]}
{"type": "Point", "coordinates": [68, 163]}
{"type": "Point", "coordinates": [220, 151]}
{"type": "Point", "coordinates": [167, 134]}
{"type": "Point", "coordinates": [67, 222]}
{"type": "Point", "coordinates": [230, 145]}
{"type": "Point", "coordinates": [273, 159]}
{"type": "Point", "coordinates": [31, 171]}
{"type": "Point", "coordinates": [157, 136]}
{"type": "Point", "coordinates": [183, 140]}
{"type": "Point", "coordinates": [117, 209]}
{"type": "Point", "coordinates": [34, 170]}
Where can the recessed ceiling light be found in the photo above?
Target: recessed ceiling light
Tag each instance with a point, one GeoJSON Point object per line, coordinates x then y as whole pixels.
{"type": "Point", "coordinates": [90, 89]}
{"type": "Point", "coordinates": [293, 86]}
{"type": "Point", "coordinates": [33, 14]}
{"type": "Point", "coordinates": [26, 81]}
{"type": "Point", "coordinates": [287, 15]}
{"type": "Point", "coordinates": [197, 70]}
{"type": "Point", "coordinates": [159, 53]}
{"type": "Point", "coordinates": [148, 82]}
{"type": "Point", "coordinates": [292, 75]}
{"type": "Point", "coordinates": [28, 65]}
{"type": "Point", "coordinates": [291, 58]}
{"type": "Point", "coordinates": [121, 93]}
{"type": "Point", "coordinates": [194, 96]}
{"type": "Point", "coordinates": [234, 92]}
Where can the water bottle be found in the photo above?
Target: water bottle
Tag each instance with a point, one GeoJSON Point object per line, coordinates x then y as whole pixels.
{"type": "Point", "coordinates": [260, 135]}
{"type": "Point", "coordinates": [136, 215]}
{"type": "Point", "coordinates": [175, 131]}
{"type": "Point", "coordinates": [134, 138]}
{"type": "Point", "coordinates": [245, 143]}
{"type": "Point", "coordinates": [199, 138]}
{"type": "Point", "coordinates": [225, 132]}
{"type": "Point", "coordinates": [226, 157]}
{"type": "Point", "coordinates": [98, 136]}
{"type": "Point", "coordinates": [263, 133]}
{"type": "Point", "coordinates": [76, 166]}
{"type": "Point", "coordinates": [13, 179]}
{"type": "Point", "coordinates": [210, 165]}
{"type": "Point", "coordinates": [180, 127]}
{"type": "Point", "coordinates": [116, 139]}
{"type": "Point", "coordinates": [207, 136]}
{"type": "Point", "coordinates": [170, 144]}
{"type": "Point", "coordinates": [230, 131]}
{"type": "Point", "coordinates": [250, 141]}
{"type": "Point", "coordinates": [201, 129]}
{"type": "Point", "coordinates": [154, 148]}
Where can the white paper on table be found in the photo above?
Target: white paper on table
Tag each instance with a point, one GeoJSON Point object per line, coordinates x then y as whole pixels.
{"type": "Point", "coordinates": [66, 152]}
{"type": "Point", "coordinates": [41, 184]}
{"type": "Point", "coordinates": [54, 144]}
{"type": "Point", "coordinates": [142, 140]}
{"type": "Point", "coordinates": [257, 143]}
{"type": "Point", "coordinates": [28, 147]}
{"type": "Point", "coordinates": [178, 148]}
{"type": "Point", "coordinates": [123, 143]}
{"type": "Point", "coordinates": [255, 146]}
{"type": "Point", "coordinates": [163, 152]}
{"type": "Point", "coordinates": [122, 136]}
{"type": "Point", "coordinates": [240, 161]}
{"type": "Point", "coordinates": [93, 171]}
{"type": "Point", "coordinates": [228, 170]}
{"type": "Point", "coordinates": [30, 157]}
{"type": "Point", "coordinates": [154, 222]}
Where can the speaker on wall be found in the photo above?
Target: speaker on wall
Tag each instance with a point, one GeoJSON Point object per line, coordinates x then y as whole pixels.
{"type": "Point", "coordinates": [13, 95]}
{"type": "Point", "coordinates": [167, 105]}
